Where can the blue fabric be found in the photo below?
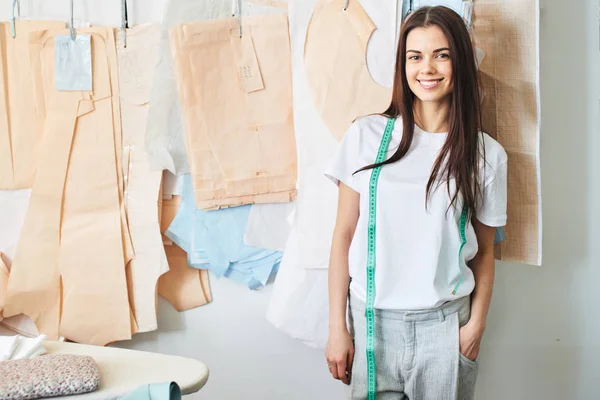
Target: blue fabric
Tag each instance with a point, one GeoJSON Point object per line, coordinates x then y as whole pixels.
{"type": "Point", "coordinates": [500, 235]}
{"type": "Point", "coordinates": [155, 391]}
{"type": "Point", "coordinates": [214, 240]}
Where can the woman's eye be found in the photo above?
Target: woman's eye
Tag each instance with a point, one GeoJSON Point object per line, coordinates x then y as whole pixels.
{"type": "Point", "coordinates": [413, 57]}
{"type": "Point", "coordinates": [443, 55]}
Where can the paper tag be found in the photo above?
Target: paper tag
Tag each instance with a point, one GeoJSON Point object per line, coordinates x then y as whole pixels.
{"type": "Point", "coordinates": [249, 75]}
{"type": "Point", "coordinates": [73, 63]}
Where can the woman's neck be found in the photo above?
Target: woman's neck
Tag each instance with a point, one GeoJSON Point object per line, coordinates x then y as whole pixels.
{"type": "Point", "coordinates": [432, 116]}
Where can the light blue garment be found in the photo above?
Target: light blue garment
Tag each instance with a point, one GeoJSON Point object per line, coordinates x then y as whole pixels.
{"type": "Point", "coordinates": [214, 240]}
{"type": "Point", "coordinates": [500, 235]}
{"type": "Point", "coordinates": [181, 228]}
{"type": "Point", "coordinates": [155, 391]}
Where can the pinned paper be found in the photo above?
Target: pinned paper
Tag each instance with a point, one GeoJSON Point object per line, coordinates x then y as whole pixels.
{"type": "Point", "coordinates": [241, 145]}
{"type": "Point", "coordinates": [339, 80]}
{"type": "Point", "coordinates": [511, 114]}
{"type": "Point", "coordinates": [183, 286]}
{"type": "Point", "coordinates": [20, 121]}
{"type": "Point", "coordinates": [61, 270]}
{"type": "Point", "coordinates": [73, 62]}
{"type": "Point", "coordinates": [142, 185]}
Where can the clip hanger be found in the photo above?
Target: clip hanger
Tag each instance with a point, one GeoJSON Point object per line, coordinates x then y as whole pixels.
{"type": "Point", "coordinates": [17, 5]}
{"type": "Point", "coordinates": [72, 27]}
{"type": "Point", "coordinates": [124, 21]}
{"type": "Point", "coordinates": [239, 13]}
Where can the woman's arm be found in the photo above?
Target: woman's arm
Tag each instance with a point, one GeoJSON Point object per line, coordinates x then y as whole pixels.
{"type": "Point", "coordinates": [483, 267]}
{"type": "Point", "coordinates": [339, 277]}
{"type": "Point", "coordinates": [340, 352]}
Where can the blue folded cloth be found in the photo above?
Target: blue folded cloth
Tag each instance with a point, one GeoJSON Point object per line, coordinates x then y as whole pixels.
{"type": "Point", "coordinates": [214, 240]}
{"type": "Point", "coordinates": [155, 391]}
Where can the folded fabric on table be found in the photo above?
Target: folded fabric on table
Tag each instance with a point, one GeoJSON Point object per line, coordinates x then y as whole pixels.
{"type": "Point", "coordinates": [48, 376]}
{"type": "Point", "coordinates": [214, 240]}
{"type": "Point", "coordinates": [19, 347]}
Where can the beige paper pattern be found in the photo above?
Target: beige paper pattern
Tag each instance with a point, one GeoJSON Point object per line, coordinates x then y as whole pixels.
{"type": "Point", "coordinates": [271, 3]}
{"type": "Point", "coordinates": [74, 242]}
{"type": "Point", "coordinates": [507, 31]}
{"type": "Point", "coordinates": [142, 186]}
{"type": "Point", "coordinates": [241, 146]}
{"type": "Point", "coordinates": [183, 286]}
{"type": "Point", "coordinates": [19, 134]}
{"type": "Point", "coordinates": [339, 81]}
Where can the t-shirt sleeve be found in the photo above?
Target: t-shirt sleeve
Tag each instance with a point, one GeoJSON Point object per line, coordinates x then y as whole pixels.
{"type": "Point", "coordinates": [345, 160]}
{"type": "Point", "coordinates": [492, 211]}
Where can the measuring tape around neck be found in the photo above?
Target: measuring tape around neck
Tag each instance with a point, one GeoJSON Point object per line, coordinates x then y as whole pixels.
{"type": "Point", "coordinates": [372, 227]}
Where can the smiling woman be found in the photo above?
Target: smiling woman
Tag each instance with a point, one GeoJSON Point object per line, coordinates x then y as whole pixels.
{"type": "Point", "coordinates": [428, 69]}
{"type": "Point", "coordinates": [421, 191]}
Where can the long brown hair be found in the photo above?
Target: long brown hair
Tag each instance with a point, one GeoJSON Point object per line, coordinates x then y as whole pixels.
{"type": "Point", "coordinates": [459, 156]}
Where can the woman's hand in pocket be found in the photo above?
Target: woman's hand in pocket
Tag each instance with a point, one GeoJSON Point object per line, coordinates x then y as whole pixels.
{"type": "Point", "coordinates": [470, 336]}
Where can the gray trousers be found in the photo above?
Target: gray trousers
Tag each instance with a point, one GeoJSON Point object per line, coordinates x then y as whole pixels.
{"type": "Point", "coordinates": [417, 353]}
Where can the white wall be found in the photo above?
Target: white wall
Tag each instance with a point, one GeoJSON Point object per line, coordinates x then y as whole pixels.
{"type": "Point", "coordinates": [543, 336]}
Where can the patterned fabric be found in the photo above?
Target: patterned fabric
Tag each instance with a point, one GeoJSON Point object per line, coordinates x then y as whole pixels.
{"type": "Point", "coordinates": [48, 376]}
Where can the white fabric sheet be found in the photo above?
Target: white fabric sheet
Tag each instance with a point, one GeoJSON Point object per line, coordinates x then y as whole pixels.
{"type": "Point", "coordinates": [317, 198]}
{"type": "Point", "coordinates": [299, 303]}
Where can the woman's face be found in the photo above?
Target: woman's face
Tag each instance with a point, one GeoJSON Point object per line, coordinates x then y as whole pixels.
{"type": "Point", "coordinates": [428, 64]}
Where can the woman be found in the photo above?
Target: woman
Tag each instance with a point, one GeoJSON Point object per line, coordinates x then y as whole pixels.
{"type": "Point", "coordinates": [426, 216]}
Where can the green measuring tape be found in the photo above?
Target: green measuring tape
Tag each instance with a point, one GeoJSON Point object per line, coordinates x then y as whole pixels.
{"type": "Point", "coordinates": [369, 312]}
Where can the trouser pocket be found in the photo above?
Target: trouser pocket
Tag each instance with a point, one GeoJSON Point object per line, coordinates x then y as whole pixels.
{"type": "Point", "coordinates": [467, 369]}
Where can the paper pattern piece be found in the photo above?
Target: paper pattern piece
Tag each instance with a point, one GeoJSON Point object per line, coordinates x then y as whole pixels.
{"type": "Point", "coordinates": [240, 145]}
{"type": "Point", "coordinates": [183, 286]}
{"type": "Point", "coordinates": [269, 225]}
{"type": "Point", "coordinates": [314, 216]}
{"type": "Point", "coordinates": [272, 3]}
{"type": "Point", "coordinates": [214, 240]}
{"type": "Point", "coordinates": [142, 185]}
{"type": "Point", "coordinates": [171, 185]}
{"type": "Point", "coordinates": [336, 69]}
{"type": "Point", "coordinates": [299, 302]}
{"type": "Point", "coordinates": [508, 32]}
{"type": "Point", "coordinates": [165, 139]}
{"type": "Point", "coordinates": [68, 259]}
{"type": "Point", "coordinates": [19, 133]}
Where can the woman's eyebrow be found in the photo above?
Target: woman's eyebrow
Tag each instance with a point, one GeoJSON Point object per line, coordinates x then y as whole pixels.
{"type": "Point", "coordinates": [435, 51]}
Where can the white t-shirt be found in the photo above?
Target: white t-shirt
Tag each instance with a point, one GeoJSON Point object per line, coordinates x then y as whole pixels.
{"type": "Point", "coordinates": [417, 263]}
